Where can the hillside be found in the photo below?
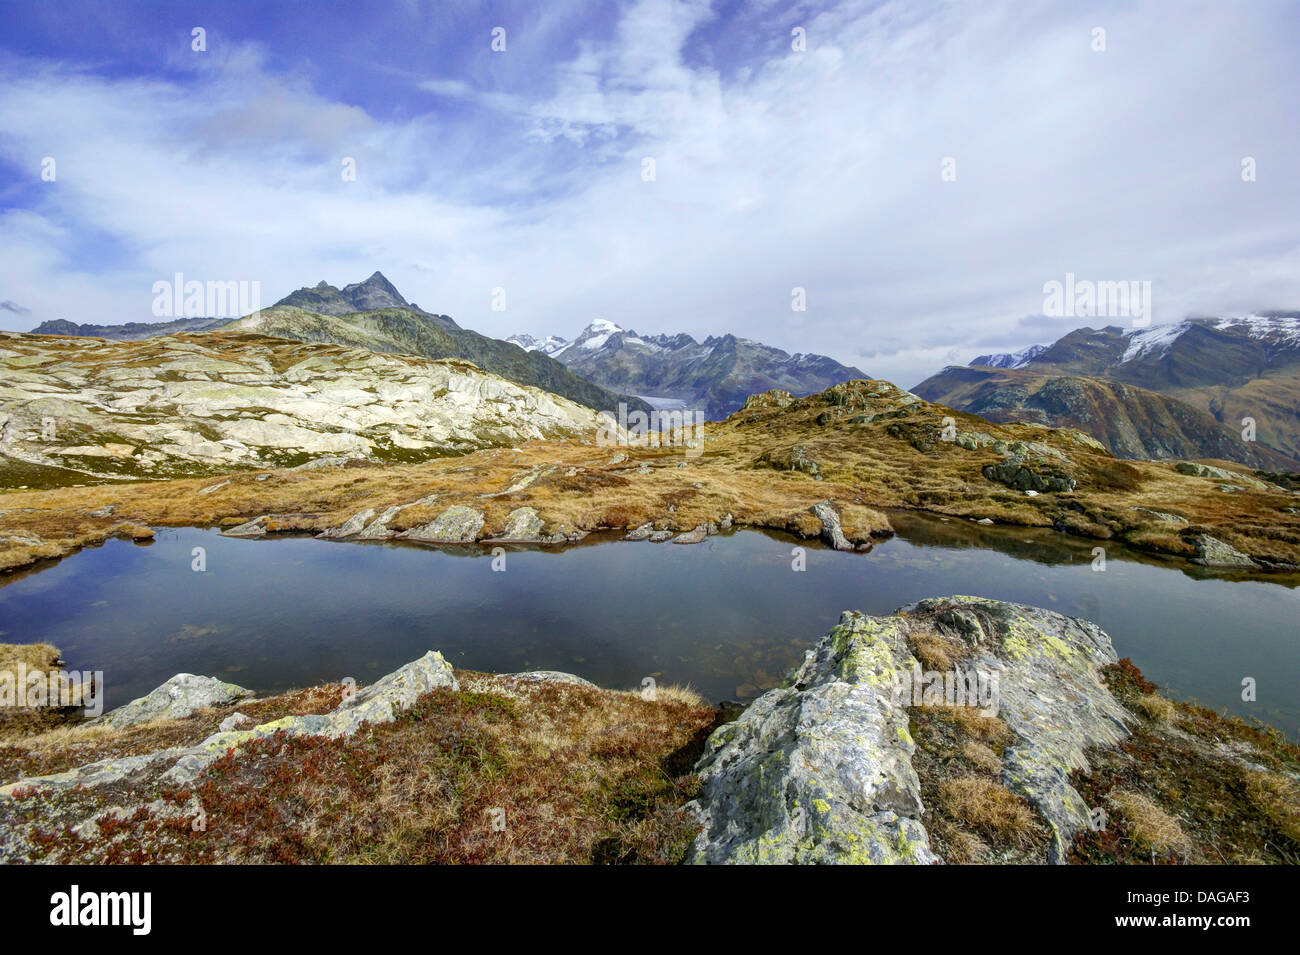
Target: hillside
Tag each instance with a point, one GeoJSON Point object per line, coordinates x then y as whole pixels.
{"type": "Point", "coordinates": [1132, 422]}
{"type": "Point", "coordinates": [73, 410]}
{"type": "Point", "coordinates": [714, 376]}
{"type": "Point", "coordinates": [825, 465]}
{"type": "Point", "coordinates": [131, 331]}
{"type": "Point", "coordinates": [1231, 368]}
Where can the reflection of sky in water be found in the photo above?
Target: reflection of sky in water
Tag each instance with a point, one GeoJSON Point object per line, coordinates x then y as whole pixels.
{"type": "Point", "coordinates": [728, 616]}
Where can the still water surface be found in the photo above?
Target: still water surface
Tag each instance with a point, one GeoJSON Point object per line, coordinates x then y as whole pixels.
{"type": "Point", "coordinates": [728, 616]}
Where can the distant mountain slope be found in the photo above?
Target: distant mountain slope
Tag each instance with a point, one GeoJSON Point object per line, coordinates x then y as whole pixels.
{"type": "Point", "coordinates": [715, 376]}
{"type": "Point", "coordinates": [131, 331]}
{"type": "Point", "coordinates": [404, 328]}
{"type": "Point", "coordinates": [1132, 422]}
{"type": "Point", "coordinates": [220, 401]}
{"type": "Point", "coordinates": [1232, 368]}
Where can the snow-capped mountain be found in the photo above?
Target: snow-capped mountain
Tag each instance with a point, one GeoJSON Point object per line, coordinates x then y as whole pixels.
{"type": "Point", "coordinates": [547, 346]}
{"type": "Point", "coordinates": [1242, 370]}
{"type": "Point", "coordinates": [1017, 359]}
{"type": "Point", "coordinates": [714, 376]}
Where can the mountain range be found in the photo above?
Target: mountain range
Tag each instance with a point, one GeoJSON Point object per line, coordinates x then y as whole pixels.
{"type": "Point", "coordinates": [1190, 388]}
{"type": "Point", "coordinates": [714, 376]}
{"type": "Point", "coordinates": [373, 315]}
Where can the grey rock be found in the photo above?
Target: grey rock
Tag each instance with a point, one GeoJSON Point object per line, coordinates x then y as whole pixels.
{"type": "Point", "coordinates": [522, 524]}
{"type": "Point", "coordinates": [379, 529]}
{"type": "Point", "coordinates": [251, 528]}
{"type": "Point", "coordinates": [1192, 469]}
{"type": "Point", "coordinates": [458, 524]}
{"type": "Point", "coordinates": [693, 536]}
{"type": "Point", "coordinates": [235, 721]}
{"type": "Point", "coordinates": [551, 676]}
{"type": "Point", "coordinates": [1212, 552]}
{"type": "Point", "coordinates": [1164, 516]}
{"type": "Point", "coordinates": [660, 536]}
{"type": "Point", "coordinates": [819, 770]}
{"type": "Point", "coordinates": [352, 526]}
{"type": "Point", "coordinates": [179, 697]}
{"type": "Point", "coordinates": [832, 530]}
{"type": "Point", "coordinates": [640, 533]}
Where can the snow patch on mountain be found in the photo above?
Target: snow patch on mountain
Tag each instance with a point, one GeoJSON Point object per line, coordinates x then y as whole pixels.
{"type": "Point", "coordinates": [1016, 359]}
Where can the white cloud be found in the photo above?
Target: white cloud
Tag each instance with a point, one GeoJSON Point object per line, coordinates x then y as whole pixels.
{"type": "Point", "coordinates": [817, 169]}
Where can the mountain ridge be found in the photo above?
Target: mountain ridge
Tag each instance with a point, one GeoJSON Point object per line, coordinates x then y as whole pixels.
{"type": "Point", "coordinates": [716, 375]}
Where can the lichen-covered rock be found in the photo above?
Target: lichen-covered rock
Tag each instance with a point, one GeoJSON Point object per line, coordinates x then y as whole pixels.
{"type": "Point", "coordinates": [694, 536]}
{"type": "Point", "coordinates": [819, 770]}
{"type": "Point", "coordinates": [179, 697]}
{"type": "Point", "coordinates": [1049, 693]}
{"type": "Point", "coordinates": [458, 524]}
{"type": "Point", "coordinates": [1212, 552]}
{"type": "Point", "coordinates": [522, 524]}
{"type": "Point", "coordinates": [1016, 474]}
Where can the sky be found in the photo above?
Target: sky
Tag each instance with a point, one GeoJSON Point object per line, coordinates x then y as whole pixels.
{"type": "Point", "coordinates": [919, 171]}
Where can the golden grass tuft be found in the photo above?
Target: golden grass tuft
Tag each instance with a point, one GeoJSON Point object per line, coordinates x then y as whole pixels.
{"type": "Point", "coordinates": [1148, 825]}
{"type": "Point", "coordinates": [981, 756]}
{"type": "Point", "coordinates": [1157, 708]}
{"type": "Point", "coordinates": [1276, 796]}
{"type": "Point", "coordinates": [933, 651]}
{"type": "Point", "coordinates": [990, 809]}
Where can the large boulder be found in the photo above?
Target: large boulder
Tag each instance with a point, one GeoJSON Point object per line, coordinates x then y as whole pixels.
{"type": "Point", "coordinates": [179, 697]}
{"type": "Point", "coordinates": [1015, 473]}
{"type": "Point", "coordinates": [820, 769]}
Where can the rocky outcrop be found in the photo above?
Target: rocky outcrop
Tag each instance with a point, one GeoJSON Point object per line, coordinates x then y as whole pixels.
{"type": "Point", "coordinates": [551, 676]}
{"type": "Point", "coordinates": [1017, 474]}
{"type": "Point", "coordinates": [177, 406]}
{"type": "Point", "coordinates": [377, 703]}
{"type": "Point", "coordinates": [180, 696]}
{"type": "Point", "coordinates": [820, 769]}
{"type": "Point", "coordinates": [794, 458]}
{"type": "Point", "coordinates": [1193, 469]}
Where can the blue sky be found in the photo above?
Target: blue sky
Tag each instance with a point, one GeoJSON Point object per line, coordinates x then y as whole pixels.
{"type": "Point", "coordinates": [775, 168]}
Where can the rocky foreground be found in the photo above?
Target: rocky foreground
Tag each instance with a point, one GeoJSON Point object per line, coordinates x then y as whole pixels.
{"type": "Point", "coordinates": [1058, 753]}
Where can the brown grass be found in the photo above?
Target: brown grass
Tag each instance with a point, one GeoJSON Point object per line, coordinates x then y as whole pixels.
{"type": "Point", "coordinates": [1148, 825]}
{"type": "Point", "coordinates": [1227, 785]}
{"type": "Point", "coordinates": [865, 467]}
{"type": "Point", "coordinates": [995, 814]}
{"type": "Point", "coordinates": [576, 774]}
